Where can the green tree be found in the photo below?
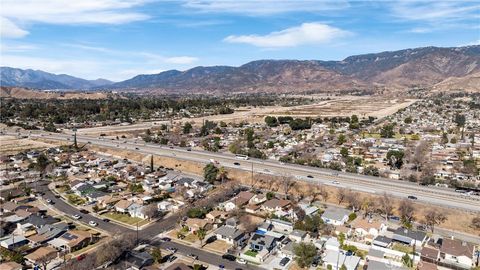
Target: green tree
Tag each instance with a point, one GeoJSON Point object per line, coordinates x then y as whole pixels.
{"type": "Point", "coordinates": [460, 120]}
{"type": "Point", "coordinates": [210, 172]}
{"type": "Point", "coordinates": [304, 254]}
{"type": "Point", "coordinates": [395, 158]}
{"type": "Point", "coordinates": [344, 152]}
{"type": "Point", "coordinates": [407, 261]}
{"type": "Point", "coordinates": [341, 139]}
{"type": "Point", "coordinates": [151, 163]}
{"type": "Point", "coordinates": [408, 120]}
{"type": "Point", "coordinates": [187, 128]}
{"type": "Point", "coordinates": [387, 131]}
{"type": "Point", "coordinates": [222, 174]}
{"type": "Point", "coordinates": [201, 233]}
{"type": "Point", "coordinates": [271, 121]}
{"type": "Point", "coordinates": [157, 254]}
{"type": "Point", "coordinates": [343, 267]}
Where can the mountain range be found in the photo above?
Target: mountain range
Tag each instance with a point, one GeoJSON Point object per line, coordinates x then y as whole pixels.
{"type": "Point", "coordinates": [38, 79]}
{"type": "Point", "coordinates": [429, 67]}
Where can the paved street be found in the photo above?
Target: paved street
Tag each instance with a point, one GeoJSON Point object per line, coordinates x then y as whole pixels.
{"type": "Point", "coordinates": [204, 256]}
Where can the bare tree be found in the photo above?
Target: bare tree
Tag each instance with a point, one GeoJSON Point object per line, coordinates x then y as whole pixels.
{"type": "Point", "coordinates": [419, 155]}
{"type": "Point", "coordinates": [475, 223]}
{"type": "Point", "coordinates": [385, 205]}
{"type": "Point", "coordinates": [407, 212]}
{"type": "Point", "coordinates": [341, 195]}
{"type": "Point", "coordinates": [287, 184]}
{"type": "Point", "coordinates": [324, 193]}
{"type": "Point", "coordinates": [433, 218]}
{"type": "Point", "coordinates": [151, 211]}
{"type": "Point", "coordinates": [367, 206]}
{"type": "Point", "coordinates": [353, 200]}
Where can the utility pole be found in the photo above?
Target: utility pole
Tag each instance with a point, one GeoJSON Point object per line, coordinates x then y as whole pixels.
{"type": "Point", "coordinates": [137, 233]}
{"type": "Point", "coordinates": [252, 173]}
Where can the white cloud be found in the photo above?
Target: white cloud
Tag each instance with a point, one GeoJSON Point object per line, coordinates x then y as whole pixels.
{"type": "Point", "coordinates": [181, 60]}
{"type": "Point", "coordinates": [17, 47]}
{"type": "Point", "coordinates": [307, 33]}
{"type": "Point", "coordinates": [473, 43]}
{"type": "Point", "coordinates": [435, 11]}
{"type": "Point", "coordinates": [265, 7]}
{"type": "Point", "coordinates": [9, 30]}
{"type": "Point", "coordinates": [69, 12]}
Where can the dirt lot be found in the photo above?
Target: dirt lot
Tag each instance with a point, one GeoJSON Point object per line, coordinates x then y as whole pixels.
{"type": "Point", "coordinates": [337, 106]}
{"type": "Point", "coordinates": [12, 144]}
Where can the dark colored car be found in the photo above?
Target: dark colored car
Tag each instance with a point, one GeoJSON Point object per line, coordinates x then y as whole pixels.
{"type": "Point", "coordinates": [284, 261]}
{"type": "Point", "coordinates": [81, 257]}
{"type": "Point", "coordinates": [83, 211]}
{"type": "Point", "coordinates": [309, 176]}
{"type": "Point", "coordinates": [412, 197]}
{"type": "Point", "coordinates": [211, 239]}
{"type": "Point", "coordinates": [106, 220]}
{"type": "Point", "coordinates": [229, 257]}
{"type": "Point", "coordinates": [166, 239]}
{"type": "Point", "coordinates": [172, 258]}
{"type": "Point", "coordinates": [236, 164]}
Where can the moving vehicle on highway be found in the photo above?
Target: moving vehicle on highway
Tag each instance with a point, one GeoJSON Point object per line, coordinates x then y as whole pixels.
{"type": "Point", "coordinates": [92, 223]}
{"type": "Point", "coordinates": [76, 216]}
{"type": "Point", "coordinates": [336, 182]}
{"type": "Point", "coordinates": [244, 157]}
{"type": "Point", "coordinates": [412, 197]}
{"type": "Point", "coordinates": [236, 164]}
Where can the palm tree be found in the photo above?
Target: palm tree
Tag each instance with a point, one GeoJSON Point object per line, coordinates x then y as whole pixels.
{"type": "Point", "coordinates": [222, 173]}
{"type": "Point", "coordinates": [201, 233]}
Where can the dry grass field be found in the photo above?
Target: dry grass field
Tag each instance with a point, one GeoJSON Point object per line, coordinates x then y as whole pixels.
{"type": "Point", "coordinates": [363, 106]}
{"type": "Point", "coordinates": [12, 145]}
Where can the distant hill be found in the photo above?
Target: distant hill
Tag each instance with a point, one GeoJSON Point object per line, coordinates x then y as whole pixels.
{"type": "Point", "coordinates": [422, 67]}
{"type": "Point", "coordinates": [38, 79]}
{"type": "Point", "coordinates": [429, 67]}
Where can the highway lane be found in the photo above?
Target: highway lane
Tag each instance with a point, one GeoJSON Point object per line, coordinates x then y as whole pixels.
{"type": "Point", "coordinates": [401, 189]}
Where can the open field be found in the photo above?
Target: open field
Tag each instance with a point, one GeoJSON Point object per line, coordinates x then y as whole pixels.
{"type": "Point", "coordinates": [363, 106]}
{"type": "Point", "coordinates": [12, 144]}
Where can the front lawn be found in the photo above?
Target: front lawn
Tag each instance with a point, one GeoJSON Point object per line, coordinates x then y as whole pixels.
{"type": "Point", "coordinates": [251, 253]}
{"type": "Point", "coordinates": [75, 199]}
{"type": "Point", "coordinates": [402, 248]}
{"type": "Point", "coordinates": [125, 218]}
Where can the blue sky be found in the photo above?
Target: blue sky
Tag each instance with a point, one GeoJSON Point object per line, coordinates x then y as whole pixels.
{"type": "Point", "coordinates": [117, 39]}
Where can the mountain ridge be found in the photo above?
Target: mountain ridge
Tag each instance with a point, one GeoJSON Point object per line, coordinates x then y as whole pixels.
{"type": "Point", "coordinates": [39, 79]}
{"type": "Point", "coordinates": [419, 67]}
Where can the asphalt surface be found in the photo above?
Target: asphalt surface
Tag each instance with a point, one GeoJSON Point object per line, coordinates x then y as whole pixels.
{"type": "Point", "coordinates": [375, 185]}
{"type": "Point", "coordinates": [204, 256]}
